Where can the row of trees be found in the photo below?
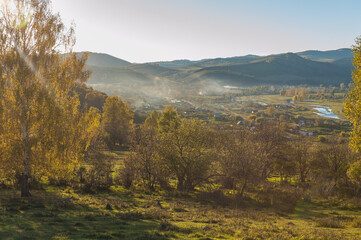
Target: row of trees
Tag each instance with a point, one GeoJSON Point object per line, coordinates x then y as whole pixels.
{"type": "Point", "coordinates": [168, 151]}
{"type": "Point", "coordinates": [295, 92]}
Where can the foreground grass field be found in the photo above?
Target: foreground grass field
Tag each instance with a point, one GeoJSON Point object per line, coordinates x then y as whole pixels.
{"type": "Point", "coordinates": [55, 213]}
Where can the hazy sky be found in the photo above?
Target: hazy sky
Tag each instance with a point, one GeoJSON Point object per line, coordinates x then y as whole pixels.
{"type": "Point", "coordinates": [152, 30]}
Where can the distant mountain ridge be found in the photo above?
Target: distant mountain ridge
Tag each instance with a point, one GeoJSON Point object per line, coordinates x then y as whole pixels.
{"type": "Point", "coordinates": [105, 60]}
{"type": "Point", "coordinates": [327, 56]}
{"type": "Point", "coordinates": [303, 68]}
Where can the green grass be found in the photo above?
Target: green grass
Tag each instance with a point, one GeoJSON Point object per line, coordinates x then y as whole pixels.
{"type": "Point", "coordinates": [269, 99]}
{"type": "Point", "coordinates": [62, 214]}
{"type": "Point", "coordinates": [277, 179]}
{"type": "Point", "coordinates": [336, 105]}
{"type": "Point", "coordinates": [223, 105]}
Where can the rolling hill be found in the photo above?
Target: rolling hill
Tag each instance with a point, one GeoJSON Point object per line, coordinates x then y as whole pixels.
{"type": "Point", "coordinates": [284, 69]}
{"type": "Point", "coordinates": [327, 56]}
{"type": "Point", "coordinates": [105, 60]}
{"type": "Point", "coordinates": [304, 68]}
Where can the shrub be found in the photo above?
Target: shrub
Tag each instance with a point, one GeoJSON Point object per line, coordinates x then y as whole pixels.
{"type": "Point", "coordinates": [322, 139]}
{"type": "Point", "coordinates": [127, 176]}
{"type": "Point", "coordinates": [330, 223]}
{"type": "Point", "coordinates": [356, 223]}
{"type": "Point", "coordinates": [217, 197]}
{"type": "Point", "coordinates": [282, 197]}
{"type": "Point", "coordinates": [95, 176]}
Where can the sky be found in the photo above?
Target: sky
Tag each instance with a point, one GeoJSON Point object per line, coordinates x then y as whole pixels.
{"type": "Point", "coordinates": [161, 30]}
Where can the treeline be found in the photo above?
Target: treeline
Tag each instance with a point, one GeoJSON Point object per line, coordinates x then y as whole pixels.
{"type": "Point", "coordinates": [89, 97]}
{"type": "Point", "coordinates": [168, 152]}
{"type": "Point", "coordinates": [301, 94]}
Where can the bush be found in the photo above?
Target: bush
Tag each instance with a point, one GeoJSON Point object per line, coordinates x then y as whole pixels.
{"type": "Point", "coordinates": [356, 223]}
{"type": "Point", "coordinates": [322, 139]}
{"type": "Point", "coordinates": [127, 176]}
{"type": "Point", "coordinates": [282, 197]}
{"type": "Point", "coordinates": [330, 223]}
{"type": "Point", "coordinates": [96, 175]}
{"type": "Point", "coordinates": [217, 197]}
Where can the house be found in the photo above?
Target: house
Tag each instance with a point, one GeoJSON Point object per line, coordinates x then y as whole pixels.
{"type": "Point", "coordinates": [217, 115]}
{"type": "Point", "coordinates": [305, 133]}
{"type": "Point", "coordinates": [240, 123]}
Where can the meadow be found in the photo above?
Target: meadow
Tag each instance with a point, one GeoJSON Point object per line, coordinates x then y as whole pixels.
{"type": "Point", "coordinates": [56, 213]}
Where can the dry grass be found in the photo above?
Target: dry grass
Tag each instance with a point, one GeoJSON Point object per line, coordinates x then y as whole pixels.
{"type": "Point", "coordinates": [330, 222]}
{"type": "Point", "coordinates": [63, 214]}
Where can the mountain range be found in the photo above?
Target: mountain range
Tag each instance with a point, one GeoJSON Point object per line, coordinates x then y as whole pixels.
{"type": "Point", "coordinates": [302, 68]}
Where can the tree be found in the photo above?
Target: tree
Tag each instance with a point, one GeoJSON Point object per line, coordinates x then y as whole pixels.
{"type": "Point", "coordinates": [342, 86]}
{"type": "Point", "coordinates": [354, 172]}
{"type": "Point", "coordinates": [42, 129]}
{"type": "Point", "coordinates": [184, 149]}
{"type": "Point", "coordinates": [90, 97]}
{"type": "Point", "coordinates": [169, 120]}
{"type": "Point", "coordinates": [299, 155]}
{"type": "Point", "coordinates": [238, 160]}
{"type": "Point", "coordinates": [152, 121]}
{"type": "Point", "coordinates": [269, 141]}
{"type": "Point", "coordinates": [331, 162]}
{"type": "Point", "coordinates": [117, 121]}
{"type": "Point", "coordinates": [95, 99]}
{"type": "Point", "coordinates": [353, 101]}
{"type": "Point", "coordinates": [144, 158]}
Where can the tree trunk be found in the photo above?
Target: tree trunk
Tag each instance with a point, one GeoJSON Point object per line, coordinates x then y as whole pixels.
{"type": "Point", "coordinates": [180, 184]}
{"type": "Point", "coordinates": [25, 189]}
{"type": "Point", "coordinates": [188, 185]}
{"type": "Point", "coordinates": [243, 188]}
{"type": "Point", "coordinates": [303, 178]}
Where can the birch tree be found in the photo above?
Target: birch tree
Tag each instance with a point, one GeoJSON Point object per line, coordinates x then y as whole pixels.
{"type": "Point", "coordinates": [43, 131]}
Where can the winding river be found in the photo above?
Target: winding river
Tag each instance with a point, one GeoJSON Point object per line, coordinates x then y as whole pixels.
{"type": "Point", "coordinates": [324, 111]}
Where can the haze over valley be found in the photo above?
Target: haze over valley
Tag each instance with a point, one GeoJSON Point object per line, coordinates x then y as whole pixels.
{"type": "Point", "coordinates": [168, 78]}
{"type": "Point", "coordinates": [158, 120]}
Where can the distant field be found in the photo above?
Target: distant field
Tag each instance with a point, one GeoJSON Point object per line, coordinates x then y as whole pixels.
{"type": "Point", "coordinates": [336, 105]}
{"type": "Point", "coordinates": [268, 99]}
{"type": "Point", "coordinates": [223, 105]}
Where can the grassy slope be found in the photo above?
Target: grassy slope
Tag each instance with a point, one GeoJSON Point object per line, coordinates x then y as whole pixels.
{"type": "Point", "coordinates": [56, 213]}
{"type": "Point", "coordinates": [62, 214]}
